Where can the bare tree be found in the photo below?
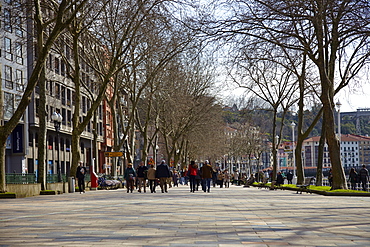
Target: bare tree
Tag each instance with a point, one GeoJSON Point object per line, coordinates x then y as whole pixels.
{"type": "Point", "coordinates": [267, 79]}
{"type": "Point", "coordinates": [333, 34]}
{"type": "Point", "coordinates": [61, 14]}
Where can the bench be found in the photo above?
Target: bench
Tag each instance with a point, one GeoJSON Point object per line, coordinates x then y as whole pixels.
{"type": "Point", "coordinates": [306, 184]}
{"type": "Point", "coordinates": [263, 183]}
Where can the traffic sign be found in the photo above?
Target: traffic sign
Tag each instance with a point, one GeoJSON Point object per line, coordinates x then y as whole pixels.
{"type": "Point", "coordinates": [113, 154]}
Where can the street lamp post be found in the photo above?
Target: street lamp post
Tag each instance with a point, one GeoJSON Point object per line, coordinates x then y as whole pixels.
{"type": "Point", "coordinates": [57, 119]}
{"type": "Point", "coordinates": [277, 154]}
{"type": "Point", "coordinates": [338, 104]}
{"type": "Point", "coordinates": [293, 147]}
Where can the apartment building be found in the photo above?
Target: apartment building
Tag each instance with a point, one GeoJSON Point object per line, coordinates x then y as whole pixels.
{"type": "Point", "coordinates": [355, 151]}
{"type": "Point", "coordinates": [17, 56]}
{"type": "Point", "coordinates": [13, 71]}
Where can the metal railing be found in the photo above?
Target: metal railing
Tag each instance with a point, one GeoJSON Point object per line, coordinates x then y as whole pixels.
{"type": "Point", "coordinates": [31, 178]}
{"type": "Point", "coordinates": [20, 178]}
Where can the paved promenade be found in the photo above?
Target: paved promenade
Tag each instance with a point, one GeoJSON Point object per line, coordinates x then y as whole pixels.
{"type": "Point", "coordinates": [234, 216]}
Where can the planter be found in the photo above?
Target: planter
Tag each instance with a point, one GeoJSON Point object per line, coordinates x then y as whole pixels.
{"type": "Point", "coordinates": [49, 192]}
{"type": "Point", "coordinates": [7, 195]}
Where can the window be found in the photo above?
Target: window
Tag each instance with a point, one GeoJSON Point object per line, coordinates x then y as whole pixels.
{"type": "Point", "coordinates": [8, 75]}
{"type": "Point", "coordinates": [68, 52]}
{"type": "Point", "coordinates": [7, 20]}
{"type": "Point", "coordinates": [57, 91]}
{"type": "Point", "coordinates": [18, 26]}
{"type": "Point", "coordinates": [64, 118]}
{"type": "Point", "coordinates": [83, 106]}
{"type": "Point", "coordinates": [50, 62]}
{"type": "Point", "coordinates": [63, 95]}
{"type": "Point", "coordinates": [30, 139]}
{"type": "Point", "coordinates": [69, 118]}
{"type": "Point", "coordinates": [8, 48]}
{"type": "Point", "coordinates": [51, 88]}
{"type": "Point", "coordinates": [61, 144]}
{"type": "Point", "coordinates": [68, 145]}
{"type": "Point", "coordinates": [68, 97]}
{"type": "Point", "coordinates": [19, 80]}
{"type": "Point", "coordinates": [50, 142]}
{"type": "Point", "coordinates": [36, 139]}
{"type": "Point", "coordinates": [18, 53]}
{"type": "Point", "coordinates": [56, 66]}
{"type": "Point", "coordinates": [62, 68]}
{"type": "Point", "coordinates": [17, 101]}
{"type": "Point", "coordinates": [8, 105]}
{"type": "Point", "coordinates": [56, 143]}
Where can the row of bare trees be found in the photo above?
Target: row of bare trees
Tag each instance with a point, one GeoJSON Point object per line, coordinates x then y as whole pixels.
{"type": "Point", "coordinates": [133, 49]}
{"type": "Point", "coordinates": [289, 52]}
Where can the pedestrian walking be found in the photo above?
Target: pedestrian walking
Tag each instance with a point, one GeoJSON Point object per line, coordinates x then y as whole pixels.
{"type": "Point", "coordinates": [152, 179]}
{"type": "Point", "coordinates": [80, 175]}
{"type": "Point", "coordinates": [214, 177]}
{"type": "Point", "coordinates": [289, 177]}
{"type": "Point", "coordinates": [130, 176]}
{"type": "Point", "coordinates": [279, 179]}
{"type": "Point", "coordinates": [353, 178]}
{"type": "Point", "coordinates": [330, 177]}
{"type": "Point", "coordinates": [236, 178]}
{"type": "Point", "coordinates": [220, 178]}
{"type": "Point", "coordinates": [226, 178]}
{"type": "Point", "coordinates": [364, 177]}
{"type": "Point", "coordinates": [142, 172]}
{"type": "Point", "coordinates": [175, 178]}
{"type": "Point", "coordinates": [192, 173]}
{"type": "Point", "coordinates": [207, 172]}
{"type": "Point", "coordinates": [163, 173]}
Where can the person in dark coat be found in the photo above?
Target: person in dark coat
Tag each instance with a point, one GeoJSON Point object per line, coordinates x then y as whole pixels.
{"type": "Point", "coordinates": [130, 176]}
{"type": "Point", "coordinates": [163, 173]}
{"type": "Point", "coordinates": [80, 175]}
{"type": "Point", "coordinates": [279, 179]}
{"type": "Point", "coordinates": [353, 177]}
{"type": "Point", "coordinates": [142, 172]}
{"type": "Point", "coordinates": [364, 177]}
{"type": "Point", "coordinates": [289, 177]}
{"type": "Point", "coordinates": [207, 173]}
{"type": "Point", "coordinates": [192, 172]}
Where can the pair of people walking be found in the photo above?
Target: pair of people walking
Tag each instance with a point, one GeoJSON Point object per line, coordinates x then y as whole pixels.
{"type": "Point", "coordinates": [205, 173]}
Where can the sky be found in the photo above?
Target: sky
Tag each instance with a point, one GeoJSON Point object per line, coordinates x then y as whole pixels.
{"type": "Point", "coordinates": [351, 98]}
{"type": "Point", "coordinates": [354, 98]}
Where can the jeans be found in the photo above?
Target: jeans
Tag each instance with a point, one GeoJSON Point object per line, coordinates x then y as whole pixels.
{"type": "Point", "coordinates": [130, 184]}
{"type": "Point", "coordinates": [142, 183]}
{"type": "Point", "coordinates": [193, 183]}
{"type": "Point", "coordinates": [206, 184]}
{"type": "Point", "coordinates": [81, 184]}
{"type": "Point", "coordinates": [152, 185]}
{"type": "Point", "coordinates": [163, 184]}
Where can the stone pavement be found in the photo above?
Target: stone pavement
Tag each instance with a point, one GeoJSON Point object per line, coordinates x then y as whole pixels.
{"type": "Point", "coordinates": [234, 216]}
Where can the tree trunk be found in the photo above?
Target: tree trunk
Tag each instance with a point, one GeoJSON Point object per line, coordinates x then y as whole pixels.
{"type": "Point", "coordinates": [275, 147]}
{"type": "Point", "coordinates": [42, 132]}
{"type": "Point", "coordinates": [339, 179]}
{"type": "Point", "coordinates": [321, 154]}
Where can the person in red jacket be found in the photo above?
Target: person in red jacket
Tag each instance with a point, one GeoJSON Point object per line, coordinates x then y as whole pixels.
{"type": "Point", "coordinates": [192, 172]}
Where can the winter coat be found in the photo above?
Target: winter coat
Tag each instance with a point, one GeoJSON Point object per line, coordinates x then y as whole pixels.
{"type": "Point", "coordinates": [207, 171]}
{"type": "Point", "coordinates": [81, 172]}
{"type": "Point", "coordinates": [363, 174]}
{"type": "Point", "coordinates": [151, 174]}
{"type": "Point", "coordinates": [163, 171]}
{"type": "Point", "coordinates": [192, 171]}
{"type": "Point", "coordinates": [130, 173]}
{"type": "Point", "coordinates": [141, 170]}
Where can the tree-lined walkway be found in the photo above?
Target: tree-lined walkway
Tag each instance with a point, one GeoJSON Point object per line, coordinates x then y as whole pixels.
{"type": "Point", "coordinates": [225, 217]}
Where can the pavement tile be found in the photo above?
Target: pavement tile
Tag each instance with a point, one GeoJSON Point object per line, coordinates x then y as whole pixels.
{"type": "Point", "coordinates": [230, 217]}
